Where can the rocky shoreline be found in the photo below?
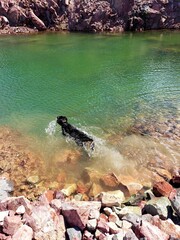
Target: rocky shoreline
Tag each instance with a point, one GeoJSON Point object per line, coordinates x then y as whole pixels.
{"type": "Point", "coordinates": [22, 16]}
{"type": "Point", "coordinates": [56, 215]}
{"type": "Point", "coordinates": [34, 206]}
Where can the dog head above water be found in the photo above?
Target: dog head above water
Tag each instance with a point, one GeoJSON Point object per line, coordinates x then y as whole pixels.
{"type": "Point", "coordinates": [61, 119]}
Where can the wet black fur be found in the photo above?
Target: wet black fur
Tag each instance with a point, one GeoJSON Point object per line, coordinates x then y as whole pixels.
{"type": "Point", "coordinates": [68, 130]}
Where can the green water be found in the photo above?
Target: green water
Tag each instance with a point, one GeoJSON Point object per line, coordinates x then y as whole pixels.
{"type": "Point", "coordinates": [102, 83]}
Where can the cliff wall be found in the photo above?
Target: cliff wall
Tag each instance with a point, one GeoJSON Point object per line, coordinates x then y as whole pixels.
{"type": "Point", "coordinates": [90, 15]}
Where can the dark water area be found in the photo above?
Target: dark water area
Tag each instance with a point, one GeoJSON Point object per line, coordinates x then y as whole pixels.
{"type": "Point", "coordinates": [102, 83]}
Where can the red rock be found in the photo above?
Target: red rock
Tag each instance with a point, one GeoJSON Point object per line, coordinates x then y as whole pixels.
{"type": "Point", "coordinates": [5, 237]}
{"type": "Point", "coordinates": [103, 226]}
{"type": "Point", "coordinates": [99, 234]}
{"type": "Point", "coordinates": [3, 214]}
{"type": "Point", "coordinates": [82, 188]}
{"type": "Point", "coordinates": [110, 180]}
{"type": "Point", "coordinates": [47, 197]}
{"type": "Point", "coordinates": [113, 228]}
{"type": "Point", "coordinates": [167, 227]}
{"type": "Point", "coordinates": [12, 203]}
{"type": "Point", "coordinates": [162, 189]}
{"type": "Point", "coordinates": [103, 217]}
{"type": "Point", "coordinates": [113, 217]}
{"type": "Point", "coordinates": [77, 213]}
{"type": "Point", "coordinates": [45, 222]}
{"type": "Point", "coordinates": [62, 228]}
{"type": "Point", "coordinates": [11, 224]}
{"type": "Point", "coordinates": [87, 236]}
{"type": "Point", "coordinates": [148, 231]}
{"type": "Point", "coordinates": [23, 233]}
{"type": "Point", "coordinates": [56, 204]}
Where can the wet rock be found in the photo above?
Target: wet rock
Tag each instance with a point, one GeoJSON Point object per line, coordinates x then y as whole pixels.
{"type": "Point", "coordinates": [91, 175]}
{"type": "Point", "coordinates": [11, 224]}
{"type": "Point", "coordinates": [110, 180]}
{"type": "Point", "coordinates": [158, 206]}
{"type": "Point", "coordinates": [82, 188]}
{"type": "Point", "coordinates": [77, 213]}
{"type": "Point", "coordinates": [67, 156]}
{"type": "Point", "coordinates": [162, 189]}
{"type": "Point", "coordinates": [23, 233]}
{"type": "Point", "coordinates": [69, 190]}
{"type": "Point", "coordinates": [33, 179]}
{"type": "Point", "coordinates": [111, 198]}
{"type": "Point", "coordinates": [74, 233]}
{"type": "Point", "coordinates": [95, 190]}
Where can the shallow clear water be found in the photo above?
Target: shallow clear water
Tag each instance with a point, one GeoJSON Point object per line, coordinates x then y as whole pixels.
{"type": "Point", "coordinates": [100, 82]}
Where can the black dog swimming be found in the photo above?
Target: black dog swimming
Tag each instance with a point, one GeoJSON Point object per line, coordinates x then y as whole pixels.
{"type": "Point", "coordinates": [79, 137]}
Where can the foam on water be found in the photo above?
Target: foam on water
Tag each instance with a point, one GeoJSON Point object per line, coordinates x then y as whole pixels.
{"type": "Point", "coordinates": [51, 129]}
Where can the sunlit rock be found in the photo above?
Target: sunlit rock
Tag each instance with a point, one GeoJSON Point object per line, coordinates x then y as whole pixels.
{"type": "Point", "coordinates": [23, 233]}
{"type": "Point", "coordinates": [69, 189]}
{"type": "Point", "coordinates": [111, 198]}
{"type": "Point", "coordinates": [12, 203]}
{"type": "Point", "coordinates": [91, 225]}
{"type": "Point", "coordinates": [162, 189]}
{"type": "Point", "coordinates": [74, 233]}
{"type": "Point", "coordinates": [167, 226]}
{"type": "Point", "coordinates": [11, 224]}
{"type": "Point", "coordinates": [76, 214]}
{"type": "Point", "coordinates": [130, 210]}
{"type": "Point", "coordinates": [158, 206]}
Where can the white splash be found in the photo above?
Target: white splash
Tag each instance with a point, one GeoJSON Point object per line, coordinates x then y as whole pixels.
{"type": "Point", "coordinates": [51, 129]}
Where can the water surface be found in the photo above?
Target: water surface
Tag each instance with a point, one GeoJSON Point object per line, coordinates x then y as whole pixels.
{"type": "Point", "coordinates": [102, 83]}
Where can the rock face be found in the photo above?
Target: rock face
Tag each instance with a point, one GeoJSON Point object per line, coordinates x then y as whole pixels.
{"type": "Point", "coordinates": [92, 15]}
